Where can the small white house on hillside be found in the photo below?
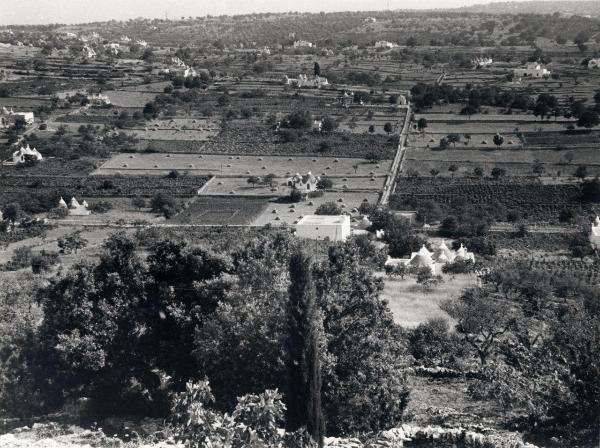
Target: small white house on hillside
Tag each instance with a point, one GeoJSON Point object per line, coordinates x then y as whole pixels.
{"type": "Point", "coordinates": [321, 227]}
{"type": "Point", "coordinates": [385, 44]}
{"type": "Point", "coordinates": [595, 233]}
{"type": "Point", "coordinates": [303, 44]}
{"type": "Point", "coordinates": [74, 207]}
{"type": "Point", "coordinates": [531, 70]}
{"type": "Point", "coordinates": [26, 154]}
{"type": "Point", "coordinates": [304, 183]}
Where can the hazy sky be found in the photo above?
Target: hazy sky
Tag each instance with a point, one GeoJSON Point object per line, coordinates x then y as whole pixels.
{"type": "Point", "coordinates": [77, 11]}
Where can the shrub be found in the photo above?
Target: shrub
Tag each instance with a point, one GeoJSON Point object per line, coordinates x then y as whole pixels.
{"type": "Point", "coordinates": [328, 208]}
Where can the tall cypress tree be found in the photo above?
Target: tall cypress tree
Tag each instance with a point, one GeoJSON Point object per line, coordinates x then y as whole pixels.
{"type": "Point", "coordinates": [303, 397]}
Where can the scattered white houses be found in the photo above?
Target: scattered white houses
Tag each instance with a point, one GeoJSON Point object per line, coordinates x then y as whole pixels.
{"type": "Point", "coordinates": [74, 207]}
{"type": "Point", "coordinates": [303, 44]}
{"type": "Point", "coordinates": [26, 154]}
{"type": "Point", "coordinates": [88, 52]}
{"type": "Point", "coordinates": [321, 227]}
{"type": "Point", "coordinates": [317, 126]}
{"type": "Point", "coordinates": [531, 70]}
{"type": "Point", "coordinates": [307, 81]}
{"type": "Point", "coordinates": [433, 260]}
{"type": "Point", "coordinates": [125, 39]}
{"type": "Point", "coordinates": [370, 20]}
{"type": "Point", "coordinates": [385, 44]}
{"type": "Point", "coordinates": [304, 184]}
{"type": "Point", "coordinates": [594, 63]}
{"type": "Point", "coordinates": [480, 62]}
{"type": "Point", "coordinates": [141, 43]}
{"type": "Point", "coordinates": [69, 35]}
{"type": "Point", "coordinates": [595, 233]}
{"type": "Point", "coordinates": [98, 100]}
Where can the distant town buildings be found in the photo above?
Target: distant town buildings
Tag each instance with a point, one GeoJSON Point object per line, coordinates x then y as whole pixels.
{"type": "Point", "coordinates": [322, 227]}
{"type": "Point", "coordinates": [531, 70]}
{"type": "Point", "coordinates": [26, 154]}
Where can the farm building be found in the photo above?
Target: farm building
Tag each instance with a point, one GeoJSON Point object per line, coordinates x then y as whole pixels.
{"type": "Point", "coordinates": [320, 227]}
{"type": "Point", "coordinates": [74, 207]}
{"type": "Point", "coordinates": [8, 116]}
{"type": "Point", "coordinates": [303, 44]}
{"type": "Point", "coordinates": [113, 48]}
{"type": "Point", "coordinates": [595, 233]}
{"type": "Point", "coordinates": [531, 70]}
{"type": "Point", "coordinates": [433, 260]}
{"type": "Point", "coordinates": [87, 52]}
{"type": "Point", "coordinates": [480, 62]}
{"type": "Point", "coordinates": [385, 44]}
{"type": "Point", "coordinates": [303, 183]}
{"type": "Point", "coordinates": [98, 100]}
{"type": "Point", "coordinates": [594, 63]}
{"type": "Point", "coordinates": [306, 81]}
{"type": "Point", "coordinates": [23, 155]}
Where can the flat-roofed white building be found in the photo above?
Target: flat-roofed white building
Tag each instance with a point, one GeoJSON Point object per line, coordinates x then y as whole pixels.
{"type": "Point", "coordinates": [321, 227]}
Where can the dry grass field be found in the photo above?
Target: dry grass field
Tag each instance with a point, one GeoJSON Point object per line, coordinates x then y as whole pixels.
{"type": "Point", "coordinates": [162, 163]}
{"type": "Point", "coordinates": [412, 305]}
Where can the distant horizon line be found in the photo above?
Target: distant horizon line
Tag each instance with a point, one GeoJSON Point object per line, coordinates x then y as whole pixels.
{"type": "Point", "coordinates": [182, 17]}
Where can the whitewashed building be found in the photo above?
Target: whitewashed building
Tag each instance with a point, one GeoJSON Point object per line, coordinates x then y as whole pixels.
{"type": "Point", "coordinates": [531, 70]}
{"type": "Point", "coordinates": [307, 81]}
{"type": "Point", "coordinates": [74, 207]}
{"type": "Point", "coordinates": [595, 233]}
{"type": "Point", "coordinates": [321, 227]}
{"type": "Point", "coordinates": [594, 63]}
{"type": "Point", "coordinates": [99, 100]}
{"type": "Point", "coordinates": [26, 154]}
{"type": "Point", "coordinates": [435, 260]}
{"type": "Point", "coordinates": [385, 44]}
{"type": "Point", "coordinates": [303, 44]}
{"type": "Point", "coordinates": [480, 62]}
{"type": "Point", "coordinates": [305, 183]}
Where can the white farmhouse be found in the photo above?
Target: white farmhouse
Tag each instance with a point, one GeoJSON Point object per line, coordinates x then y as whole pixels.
{"type": "Point", "coordinates": [531, 70]}
{"type": "Point", "coordinates": [26, 154]}
{"type": "Point", "coordinates": [594, 63]}
{"type": "Point", "coordinates": [306, 81]}
{"type": "Point", "coordinates": [98, 100]}
{"type": "Point", "coordinates": [75, 208]}
{"type": "Point", "coordinates": [88, 52]}
{"type": "Point", "coordinates": [433, 260]}
{"type": "Point", "coordinates": [480, 62]}
{"type": "Point", "coordinates": [321, 227]}
{"type": "Point", "coordinates": [595, 233]}
{"type": "Point", "coordinates": [8, 116]}
{"type": "Point", "coordinates": [304, 183]}
{"type": "Point", "coordinates": [385, 44]}
{"type": "Point", "coordinates": [303, 44]}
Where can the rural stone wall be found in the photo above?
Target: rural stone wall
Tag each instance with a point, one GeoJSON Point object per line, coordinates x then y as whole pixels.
{"type": "Point", "coordinates": [408, 436]}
